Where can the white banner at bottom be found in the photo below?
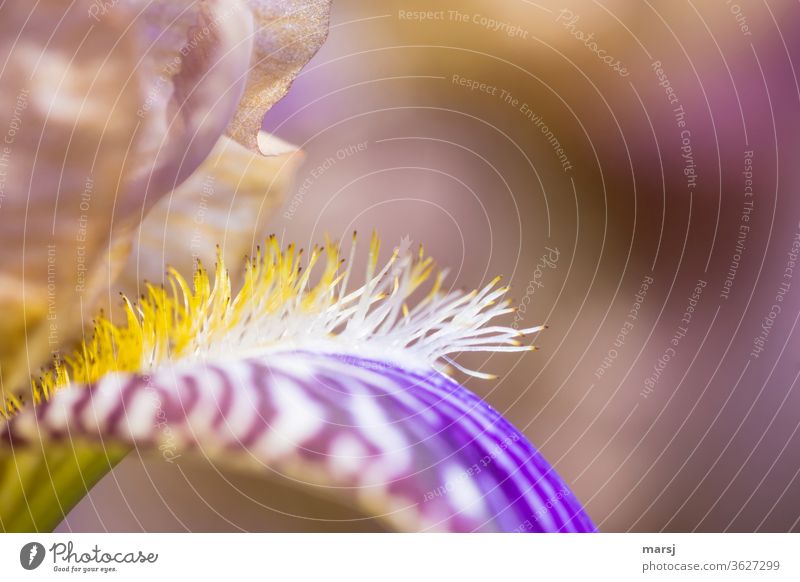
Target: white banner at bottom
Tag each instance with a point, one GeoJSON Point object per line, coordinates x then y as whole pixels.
{"type": "Point", "coordinates": [401, 557]}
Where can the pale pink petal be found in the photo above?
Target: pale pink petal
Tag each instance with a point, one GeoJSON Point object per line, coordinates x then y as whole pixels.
{"type": "Point", "coordinates": [109, 106]}
{"type": "Point", "coordinates": [227, 202]}
{"type": "Point", "coordinates": [195, 60]}
{"type": "Point", "coordinates": [65, 129]}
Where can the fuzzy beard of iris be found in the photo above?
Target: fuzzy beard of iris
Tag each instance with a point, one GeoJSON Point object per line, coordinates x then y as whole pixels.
{"type": "Point", "coordinates": [342, 391]}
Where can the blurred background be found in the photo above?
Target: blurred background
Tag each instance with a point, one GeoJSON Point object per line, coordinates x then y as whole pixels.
{"type": "Point", "coordinates": [631, 169]}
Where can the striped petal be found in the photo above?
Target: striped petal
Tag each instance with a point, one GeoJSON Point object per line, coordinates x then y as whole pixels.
{"type": "Point", "coordinates": [341, 390]}
{"type": "Point", "coordinates": [412, 448]}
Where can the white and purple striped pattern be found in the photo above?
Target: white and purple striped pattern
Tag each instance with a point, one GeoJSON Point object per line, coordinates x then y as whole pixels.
{"type": "Point", "coordinates": [415, 449]}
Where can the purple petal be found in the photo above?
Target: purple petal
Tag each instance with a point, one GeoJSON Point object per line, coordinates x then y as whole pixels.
{"type": "Point", "coordinates": [413, 448]}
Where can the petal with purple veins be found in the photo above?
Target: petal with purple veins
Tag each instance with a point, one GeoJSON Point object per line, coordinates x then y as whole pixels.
{"type": "Point", "coordinates": [414, 449]}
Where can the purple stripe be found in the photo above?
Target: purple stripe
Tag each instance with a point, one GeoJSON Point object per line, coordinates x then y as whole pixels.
{"type": "Point", "coordinates": [263, 413]}
{"type": "Point", "coordinates": [458, 417]}
{"type": "Point", "coordinates": [225, 401]}
{"type": "Point", "coordinates": [133, 386]}
{"type": "Point", "coordinates": [426, 388]}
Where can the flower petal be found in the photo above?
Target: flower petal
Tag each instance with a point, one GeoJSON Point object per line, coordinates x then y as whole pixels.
{"type": "Point", "coordinates": [414, 449]}
{"type": "Point", "coordinates": [106, 107]}
{"type": "Point", "coordinates": [210, 67]}
{"type": "Point", "coordinates": [288, 33]}
{"type": "Point", "coordinates": [226, 202]}
{"type": "Point", "coordinates": [66, 126]}
{"type": "Point", "coordinates": [195, 59]}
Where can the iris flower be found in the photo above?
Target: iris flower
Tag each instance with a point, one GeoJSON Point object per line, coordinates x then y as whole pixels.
{"type": "Point", "coordinates": [285, 363]}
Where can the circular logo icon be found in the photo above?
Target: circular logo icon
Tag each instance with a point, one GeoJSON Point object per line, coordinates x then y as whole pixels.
{"type": "Point", "coordinates": [31, 555]}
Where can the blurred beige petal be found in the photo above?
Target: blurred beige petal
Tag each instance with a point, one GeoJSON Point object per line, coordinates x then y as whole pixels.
{"type": "Point", "coordinates": [200, 61]}
{"type": "Point", "coordinates": [117, 108]}
{"type": "Point", "coordinates": [288, 34]}
{"type": "Point", "coordinates": [195, 59]}
{"type": "Point", "coordinates": [67, 125]}
{"type": "Point", "coordinates": [227, 202]}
